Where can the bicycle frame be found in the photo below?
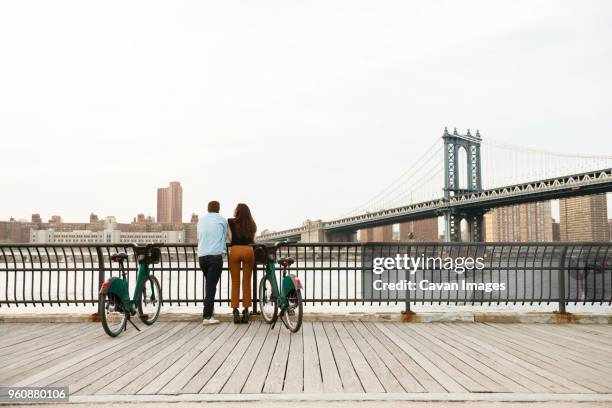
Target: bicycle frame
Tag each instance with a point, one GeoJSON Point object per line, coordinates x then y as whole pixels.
{"type": "Point", "coordinates": [288, 284]}
{"type": "Point", "coordinates": [119, 287]}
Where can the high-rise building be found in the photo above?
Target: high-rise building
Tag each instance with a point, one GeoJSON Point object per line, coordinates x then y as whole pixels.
{"type": "Point", "coordinates": [170, 204]}
{"type": "Point", "coordinates": [584, 218]}
{"type": "Point", "coordinates": [529, 222]}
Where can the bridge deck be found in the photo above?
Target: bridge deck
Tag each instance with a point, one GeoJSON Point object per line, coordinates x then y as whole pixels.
{"type": "Point", "coordinates": [325, 357]}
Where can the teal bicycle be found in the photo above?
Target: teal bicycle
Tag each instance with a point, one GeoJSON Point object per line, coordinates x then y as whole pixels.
{"type": "Point", "coordinates": [115, 307]}
{"type": "Point", "coordinates": [284, 302]}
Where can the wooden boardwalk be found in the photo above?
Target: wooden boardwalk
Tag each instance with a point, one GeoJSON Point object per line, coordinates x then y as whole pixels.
{"type": "Point", "coordinates": [325, 357]}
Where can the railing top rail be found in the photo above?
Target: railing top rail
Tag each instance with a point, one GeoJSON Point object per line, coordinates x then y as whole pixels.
{"type": "Point", "coordinates": [320, 244]}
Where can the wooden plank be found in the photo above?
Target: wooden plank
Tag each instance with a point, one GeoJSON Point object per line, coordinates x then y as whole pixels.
{"type": "Point", "coordinates": [208, 336]}
{"type": "Point", "coordinates": [142, 371]}
{"type": "Point", "coordinates": [237, 380]}
{"type": "Point", "coordinates": [49, 357]}
{"type": "Point", "coordinates": [78, 362]}
{"type": "Point", "coordinates": [35, 351]}
{"type": "Point", "coordinates": [14, 330]}
{"type": "Point", "coordinates": [206, 353]}
{"type": "Point", "coordinates": [382, 373]}
{"type": "Point", "coordinates": [199, 380]}
{"type": "Point", "coordinates": [15, 346]}
{"type": "Point", "coordinates": [29, 331]}
{"type": "Point", "coordinates": [507, 368]}
{"type": "Point", "coordinates": [596, 329]}
{"type": "Point", "coordinates": [255, 381]}
{"type": "Point", "coordinates": [469, 363]}
{"type": "Point", "coordinates": [440, 374]}
{"type": "Point", "coordinates": [294, 378]}
{"type": "Point", "coordinates": [312, 370]}
{"type": "Point", "coordinates": [573, 331]}
{"type": "Point", "coordinates": [513, 380]}
{"type": "Point", "coordinates": [555, 355]}
{"type": "Point", "coordinates": [455, 358]}
{"type": "Point", "coordinates": [451, 365]}
{"type": "Point", "coordinates": [23, 347]}
{"type": "Point", "coordinates": [573, 372]}
{"type": "Point", "coordinates": [329, 371]}
{"type": "Point", "coordinates": [276, 373]}
{"type": "Point", "coordinates": [350, 379]}
{"type": "Point", "coordinates": [217, 381]}
{"type": "Point", "coordinates": [401, 374]}
{"type": "Point", "coordinates": [105, 369]}
{"type": "Point", "coordinates": [549, 381]}
{"type": "Point", "coordinates": [366, 374]}
{"type": "Point", "coordinates": [569, 338]}
{"type": "Point", "coordinates": [420, 375]}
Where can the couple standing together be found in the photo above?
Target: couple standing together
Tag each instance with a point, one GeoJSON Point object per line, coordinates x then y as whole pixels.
{"type": "Point", "coordinates": [213, 233]}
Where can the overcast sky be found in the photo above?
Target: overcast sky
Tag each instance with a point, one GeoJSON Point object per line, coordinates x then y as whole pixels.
{"type": "Point", "coordinates": [300, 109]}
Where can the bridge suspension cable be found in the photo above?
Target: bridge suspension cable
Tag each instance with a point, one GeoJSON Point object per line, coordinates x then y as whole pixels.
{"type": "Point", "coordinates": [506, 164]}
{"type": "Point", "coordinates": [406, 186]}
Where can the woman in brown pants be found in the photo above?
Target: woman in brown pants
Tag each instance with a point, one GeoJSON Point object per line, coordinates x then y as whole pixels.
{"type": "Point", "coordinates": [242, 234]}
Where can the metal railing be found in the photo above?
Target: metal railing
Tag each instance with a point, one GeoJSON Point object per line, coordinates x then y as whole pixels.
{"type": "Point", "coordinates": [332, 274]}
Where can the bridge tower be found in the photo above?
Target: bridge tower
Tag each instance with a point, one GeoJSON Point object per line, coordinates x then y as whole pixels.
{"type": "Point", "coordinates": [461, 177]}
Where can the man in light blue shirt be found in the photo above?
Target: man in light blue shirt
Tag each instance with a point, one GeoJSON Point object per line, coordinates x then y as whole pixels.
{"type": "Point", "coordinates": [212, 234]}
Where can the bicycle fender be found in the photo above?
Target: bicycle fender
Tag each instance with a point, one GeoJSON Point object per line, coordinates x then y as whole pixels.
{"type": "Point", "coordinates": [291, 282]}
{"type": "Point", "coordinates": [117, 287]}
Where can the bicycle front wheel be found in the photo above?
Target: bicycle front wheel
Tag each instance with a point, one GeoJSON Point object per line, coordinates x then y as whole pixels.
{"type": "Point", "coordinates": [112, 316]}
{"type": "Point", "coordinates": [267, 300]}
{"type": "Point", "coordinates": [149, 301]}
{"type": "Point", "coordinates": [292, 317]}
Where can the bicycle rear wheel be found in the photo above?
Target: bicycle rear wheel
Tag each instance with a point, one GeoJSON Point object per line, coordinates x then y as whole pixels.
{"type": "Point", "coordinates": [149, 301]}
{"type": "Point", "coordinates": [268, 302]}
{"type": "Point", "coordinates": [292, 317]}
{"type": "Point", "coordinates": [113, 318]}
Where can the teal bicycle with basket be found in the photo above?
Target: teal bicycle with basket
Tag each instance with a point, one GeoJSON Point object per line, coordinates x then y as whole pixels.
{"type": "Point", "coordinates": [274, 301]}
{"type": "Point", "coordinates": [115, 307]}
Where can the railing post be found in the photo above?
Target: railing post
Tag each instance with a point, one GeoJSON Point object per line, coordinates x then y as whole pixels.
{"type": "Point", "coordinates": [254, 291]}
{"type": "Point", "coordinates": [562, 281]}
{"type": "Point", "coordinates": [101, 271]}
{"type": "Point", "coordinates": [407, 305]}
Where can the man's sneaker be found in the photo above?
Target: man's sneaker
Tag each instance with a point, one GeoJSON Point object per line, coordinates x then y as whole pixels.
{"type": "Point", "coordinates": [212, 320]}
{"type": "Point", "coordinates": [236, 314]}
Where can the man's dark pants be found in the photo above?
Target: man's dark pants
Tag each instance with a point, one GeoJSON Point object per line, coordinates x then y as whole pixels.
{"type": "Point", "coordinates": [211, 265]}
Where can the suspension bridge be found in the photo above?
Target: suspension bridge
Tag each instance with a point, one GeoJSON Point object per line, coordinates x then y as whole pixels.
{"type": "Point", "coordinates": [477, 174]}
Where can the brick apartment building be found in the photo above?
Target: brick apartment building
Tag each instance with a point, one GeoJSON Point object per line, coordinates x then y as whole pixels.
{"type": "Point", "coordinates": [584, 218]}
{"type": "Point", "coordinates": [529, 222]}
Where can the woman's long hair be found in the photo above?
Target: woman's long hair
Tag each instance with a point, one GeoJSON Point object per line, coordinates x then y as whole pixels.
{"type": "Point", "coordinates": [245, 225]}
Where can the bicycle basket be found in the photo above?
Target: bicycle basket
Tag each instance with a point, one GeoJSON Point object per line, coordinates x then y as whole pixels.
{"type": "Point", "coordinates": [261, 256]}
{"type": "Point", "coordinates": [154, 255]}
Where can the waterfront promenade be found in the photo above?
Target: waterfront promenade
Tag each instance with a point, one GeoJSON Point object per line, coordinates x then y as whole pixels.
{"type": "Point", "coordinates": [184, 361]}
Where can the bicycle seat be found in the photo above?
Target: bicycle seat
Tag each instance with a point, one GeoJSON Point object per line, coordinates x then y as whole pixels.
{"type": "Point", "coordinates": [119, 257]}
{"type": "Point", "coordinates": [285, 262]}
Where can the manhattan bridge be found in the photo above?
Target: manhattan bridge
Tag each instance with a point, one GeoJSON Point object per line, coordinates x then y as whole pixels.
{"type": "Point", "coordinates": [477, 174]}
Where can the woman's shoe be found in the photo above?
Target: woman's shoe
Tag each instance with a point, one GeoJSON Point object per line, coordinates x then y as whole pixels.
{"type": "Point", "coordinates": [236, 316]}
{"type": "Point", "coordinates": [245, 315]}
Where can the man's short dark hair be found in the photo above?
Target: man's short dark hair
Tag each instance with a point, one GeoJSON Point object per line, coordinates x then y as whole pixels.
{"type": "Point", "coordinates": [214, 207]}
